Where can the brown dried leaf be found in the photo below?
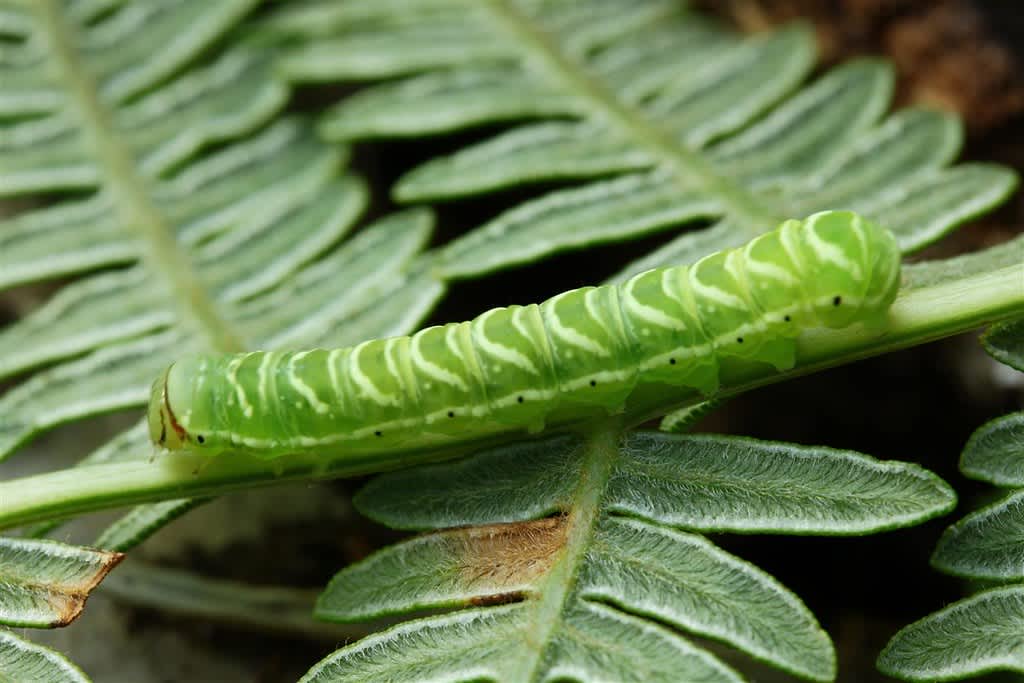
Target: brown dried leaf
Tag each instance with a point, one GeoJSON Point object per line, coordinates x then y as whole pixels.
{"type": "Point", "coordinates": [45, 583]}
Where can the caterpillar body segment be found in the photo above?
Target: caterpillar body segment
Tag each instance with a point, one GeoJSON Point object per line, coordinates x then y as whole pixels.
{"type": "Point", "coordinates": [580, 354]}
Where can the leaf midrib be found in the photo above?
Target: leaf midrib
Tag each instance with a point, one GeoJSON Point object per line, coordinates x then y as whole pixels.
{"type": "Point", "coordinates": [129, 188]}
{"type": "Point", "coordinates": [599, 455]}
{"type": "Point", "coordinates": [692, 172]}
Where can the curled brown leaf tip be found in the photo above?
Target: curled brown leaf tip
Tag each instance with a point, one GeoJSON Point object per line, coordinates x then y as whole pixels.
{"type": "Point", "coordinates": [68, 601]}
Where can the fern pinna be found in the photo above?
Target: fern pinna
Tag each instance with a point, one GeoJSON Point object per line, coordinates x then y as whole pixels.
{"type": "Point", "coordinates": [980, 633]}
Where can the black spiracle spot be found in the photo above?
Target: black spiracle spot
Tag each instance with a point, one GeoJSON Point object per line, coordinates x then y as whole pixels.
{"type": "Point", "coordinates": [378, 434]}
{"type": "Point", "coordinates": [520, 399]}
{"type": "Point", "coordinates": [451, 413]}
{"type": "Point", "coordinates": [200, 438]}
{"type": "Point", "coordinates": [671, 361]}
{"type": "Point", "coordinates": [787, 318]}
{"type": "Point", "coordinates": [837, 300]}
{"type": "Point", "coordinates": [593, 382]}
{"type": "Point", "coordinates": [739, 340]}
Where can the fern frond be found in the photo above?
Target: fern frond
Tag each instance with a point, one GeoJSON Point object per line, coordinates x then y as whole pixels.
{"type": "Point", "coordinates": [980, 633]}
{"type": "Point", "coordinates": [596, 543]}
{"type": "Point", "coordinates": [689, 121]}
{"type": "Point", "coordinates": [188, 236]}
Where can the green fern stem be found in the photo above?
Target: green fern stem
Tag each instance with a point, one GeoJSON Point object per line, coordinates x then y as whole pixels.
{"type": "Point", "coordinates": [130, 188]}
{"type": "Point", "coordinates": [600, 453]}
{"type": "Point", "coordinates": [278, 609]}
{"type": "Point", "coordinates": [924, 313]}
{"type": "Point", "coordinates": [691, 170]}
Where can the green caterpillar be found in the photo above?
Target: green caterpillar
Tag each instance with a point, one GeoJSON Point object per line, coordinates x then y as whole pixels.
{"type": "Point", "coordinates": [579, 355]}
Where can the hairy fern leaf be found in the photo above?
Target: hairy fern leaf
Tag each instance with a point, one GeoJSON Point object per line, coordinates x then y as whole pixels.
{"type": "Point", "coordinates": [977, 635]}
{"type": "Point", "coordinates": [597, 541]}
{"type": "Point", "coordinates": [1005, 343]}
{"type": "Point", "coordinates": [45, 583]}
{"type": "Point", "coordinates": [980, 633]}
{"type": "Point", "coordinates": [22, 660]}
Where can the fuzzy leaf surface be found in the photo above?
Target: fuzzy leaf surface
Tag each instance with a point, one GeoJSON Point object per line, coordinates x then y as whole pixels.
{"type": "Point", "coordinates": [700, 482]}
{"type": "Point", "coordinates": [995, 453]}
{"type": "Point", "coordinates": [988, 543]}
{"type": "Point", "coordinates": [21, 660]}
{"type": "Point", "coordinates": [968, 638]}
{"type": "Point", "coordinates": [598, 644]}
{"type": "Point", "coordinates": [598, 526]}
{"type": "Point", "coordinates": [981, 633]}
{"type": "Point", "coordinates": [1005, 341]}
{"type": "Point", "coordinates": [714, 483]}
{"type": "Point", "coordinates": [45, 584]}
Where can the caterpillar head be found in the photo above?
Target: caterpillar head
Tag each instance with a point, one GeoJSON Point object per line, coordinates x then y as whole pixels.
{"type": "Point", "coordinates": [164, 429]}
{"type": "Point", "coordinates": [180, 407]}
{"type": "Point", "coordinates": [852, 268]}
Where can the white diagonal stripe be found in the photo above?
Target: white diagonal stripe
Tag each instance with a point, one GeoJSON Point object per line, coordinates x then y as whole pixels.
{"type": "Point", "coordinates": [304, 389]}
{"type": "Point", "coordinates": [503, 353]}
{"type": "Point", "coordinates": [649, 314]}
{"type": "Point", "coordinates": [432, 369]}
{"type": "Point", "coordinates": [332, 373]}
{"type": "Point", "coordinates": [232, 379]}
{"type": "Point", "coordinates": [363, 381]}
{"type": "Point", "coordinates": [263, 377]}
{"type": "Point", "coordinates": [568, 334]}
